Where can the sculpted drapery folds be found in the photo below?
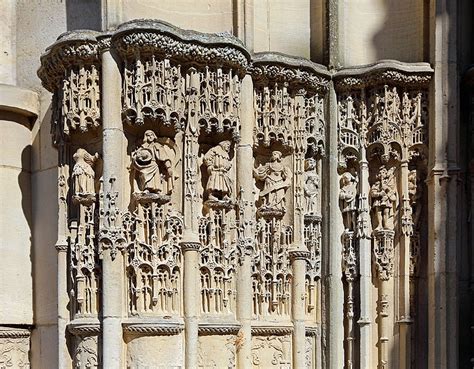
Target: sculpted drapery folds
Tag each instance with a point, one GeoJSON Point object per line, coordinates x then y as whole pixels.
{"type": "Point", "coordinates": [383, 195]}
{"type": "Point", "coordinates": [276, 177]}
{"type": "Point", "coordinates": [311, 187]}
{"type": "Point", "coordinates": [219, 185]}
{"type": "Point", "coordinates": [188, 93]}
{"type": "Point", "coordinates": [153, 163]}
{"type": "Point", "coordinates": [84, 175]}
{"type": "Point", "coordinates": [348, 200]}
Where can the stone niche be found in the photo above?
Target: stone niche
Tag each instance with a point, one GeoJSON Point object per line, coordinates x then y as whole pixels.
{"type": "Point", "coordinates": [192, 197]}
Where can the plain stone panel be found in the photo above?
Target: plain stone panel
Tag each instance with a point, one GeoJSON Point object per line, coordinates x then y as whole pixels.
{"type": "Point", "coordinates": [372, 30]}
{"type": "Point", "coordinates": [48, 153]}
{"type": "Point", "coordinates": [199, 15]}
{"type": "Point", "coordinates": [45, 214]}
{"type": "Point", "coordinates": [15, 141]}
{"type": "Point", "coordinates": [283, 26]}
{"type": "Point", "coordinates": [142, 352]}
{"type": "Point", "coordinates": [318, 31]}
{"type": "Point", "coordinates": [44, 347]}
{"type": "Point", "coordinates": [7, 42]}
{"type": "Point", "coordinates": [261, 21]}
{"type": "Point", "coordinates": [40, 22]}
{"type": "Point", "coordinates": [16, 292]}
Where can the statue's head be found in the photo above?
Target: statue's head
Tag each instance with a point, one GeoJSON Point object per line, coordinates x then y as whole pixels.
{"type": "Point", "coordinates": [225, 145]}
{"type": "Point", "coordinates": [149, 136]}
{"type": "Point", "coordinates": [310, 164]}
{"type": "Point", "coordinates": [276, 156]}
{"type": "Point", "coordinates": [346, 178]}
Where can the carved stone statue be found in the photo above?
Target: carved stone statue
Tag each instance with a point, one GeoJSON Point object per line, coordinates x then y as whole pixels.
{"type": "Point", "coordinates": [217, 160]}
{"type": "Point", "coordinates": [276, 178]}
{"type": "Point", "coordinates": [415, 194]}
{"type": "Point", "coordinates": [152, 165]}
{"type": "Point", "coordinates": [311, 187]}
{"type": "Point", "coordinates": [83, 176]}
{"type": "Point", "coordinates": [384, 196]}
{"type": "Point", "coordinates": [348, 200]}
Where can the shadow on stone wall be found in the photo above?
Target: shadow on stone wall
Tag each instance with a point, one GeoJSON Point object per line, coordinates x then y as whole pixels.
{"type": "Point", "coordinates": [84, 14]}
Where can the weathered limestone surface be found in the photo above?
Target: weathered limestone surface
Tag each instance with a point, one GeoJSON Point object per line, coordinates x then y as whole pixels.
{"type": "Point", "coordinates": [219, 200]}
{"type": "Point", "coordinates": [191, 197]}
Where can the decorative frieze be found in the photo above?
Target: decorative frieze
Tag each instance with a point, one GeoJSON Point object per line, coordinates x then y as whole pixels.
{"type": "Point", "coordinates": [14, 348]}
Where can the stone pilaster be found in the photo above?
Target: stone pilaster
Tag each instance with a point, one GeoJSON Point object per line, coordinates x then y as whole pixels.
{"type": "Point", "coordinates": [247, 226]}
{"type": "Point", "coordinates": [111, 239]}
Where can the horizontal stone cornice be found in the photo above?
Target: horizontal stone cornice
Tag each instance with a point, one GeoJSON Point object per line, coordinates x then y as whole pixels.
{"type": "Point", "coordinates": [296, 72]}
{"type": "Point", "coordinates": [19, 100]}
{"type": "Point", "coordinates": [408, 75]}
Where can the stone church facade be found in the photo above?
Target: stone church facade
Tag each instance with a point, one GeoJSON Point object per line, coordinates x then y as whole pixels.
{"type": "Point", "coordinates": [236, 184]}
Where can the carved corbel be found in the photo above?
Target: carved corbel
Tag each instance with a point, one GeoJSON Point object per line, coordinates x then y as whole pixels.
{"type": "Point", "coordinates": [70, 69]}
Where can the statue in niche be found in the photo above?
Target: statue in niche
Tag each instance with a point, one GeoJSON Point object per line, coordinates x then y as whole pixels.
{"type": "Point", "coordinates": [414, 192]}
{"type": "Point", "coordinates": [84, 176]}
{"type": "Point", "coordinates": [348, 200]}
{"type": "Point", "coordinates": [311, 187]}
{"type": "Point", "coordinates": [384, 196]}
{"type": "Point", "coordinates": [152, 168]}
{"type": "Point", "coordinates": [219, 185]}
{"type": "Point", "coordinates": [276, 178]}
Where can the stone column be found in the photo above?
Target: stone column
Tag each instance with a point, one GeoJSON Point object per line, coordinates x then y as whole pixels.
{"type": "Point", "coordinates": [335, 228]}
{"type": "Point", "coordinates": [112, 261]}
{"type": "Point", "coordinates": [442, 189]}
{"type": "Point", "coordinates": [298, 304]}
{"type": "Point", "coordinates": [365, 266]}
{"type": "Point", "coordinates": [191, 301]}
{"type": "Point", "coordinates": [190, 245]}
{"type": "Point", "coordinates": [404, 272]}
{"type": "Point", "coordinates": [247, 213]}
{"type": "Point", "coordinates": [64, 358]}
{"type": "Point", "coordinates": [299, 254]}
{"type": "Point", "coordinates": [384, 255]}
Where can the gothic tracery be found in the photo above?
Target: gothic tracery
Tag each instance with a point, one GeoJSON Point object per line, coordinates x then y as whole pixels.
{"type": "Point", "coordinates": [171, 208]}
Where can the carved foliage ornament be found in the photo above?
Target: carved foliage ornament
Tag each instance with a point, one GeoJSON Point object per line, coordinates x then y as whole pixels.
{"type": "Point", "coordinates": [14, 348]}
{"type": "Point", "coordinates": [155, 37]}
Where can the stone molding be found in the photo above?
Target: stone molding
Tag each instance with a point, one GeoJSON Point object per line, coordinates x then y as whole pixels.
{"type": "Point", "coordinates": [299, 254]}
{"type": "Point", "coordinates": [84, 327]}
{"type": "Point", "coordinates": [142, 37]}
{"type": "Point", "coordinates": [152, 327]}
{"type": "Point", "coordinates": [312, 331]}
{"type": "Point", "coordinates": [411, 75]}
{"type": "Point", "coordinates": [12, 332]}
{"type": "Point", "coordinates": [219, 328]}
{"type": "Point", "coordinates": [296, 72]}
{"type": "Point", "coordinates": [272, 330]}
{"type": "Point", "coordinates": [156, 37]}
{"type": "Point", "coordinates": [19, 100]}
